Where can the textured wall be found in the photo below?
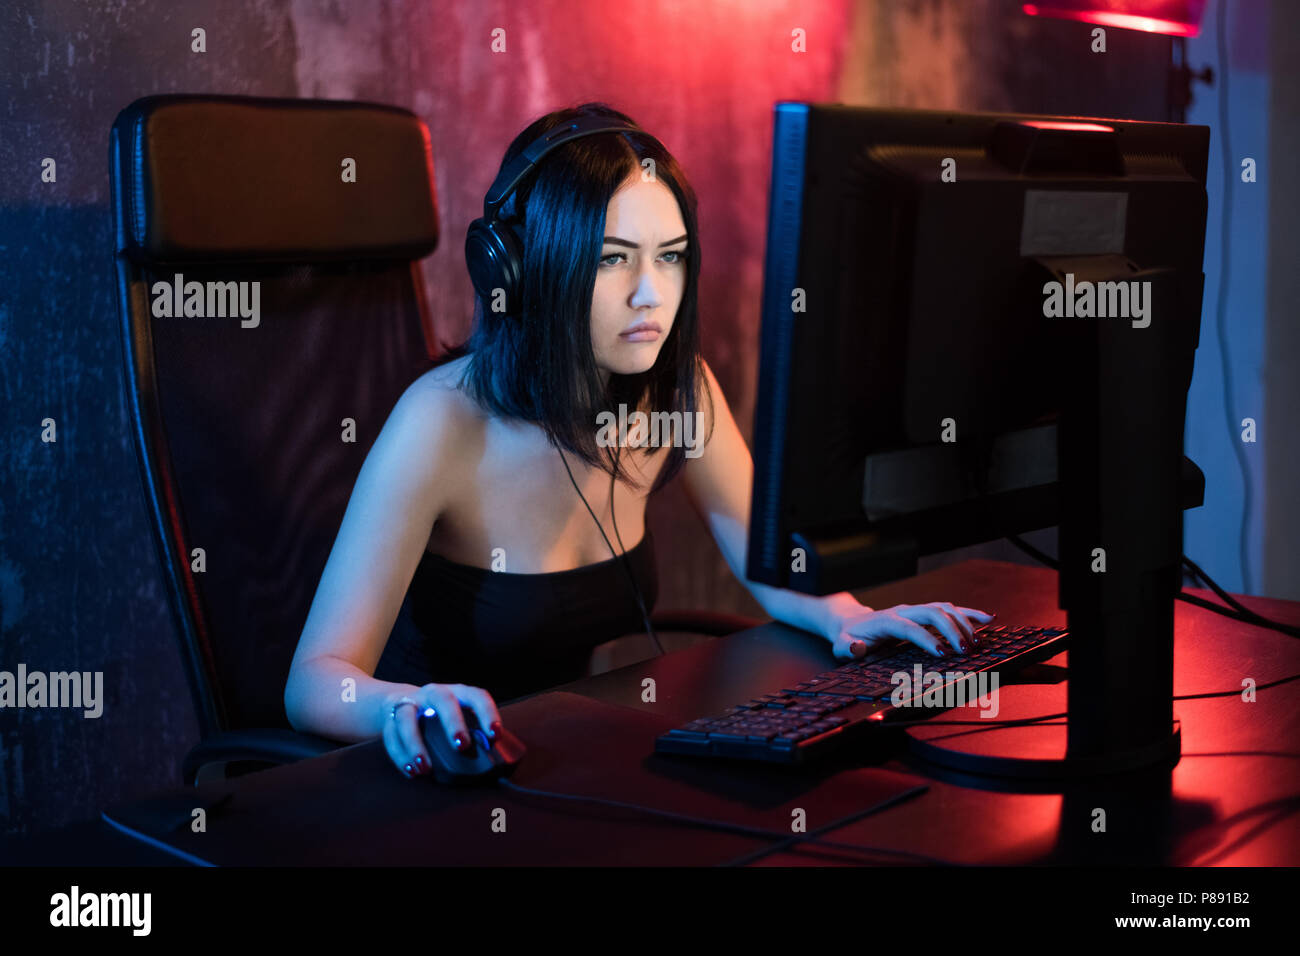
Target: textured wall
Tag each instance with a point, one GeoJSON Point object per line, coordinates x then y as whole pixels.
{"type": "Point", "coordinates": [79, 584]}
{"type": "Point", "coordinates": [1227, 537]}
{"type": "Point", "coordinates": [1281, 570]}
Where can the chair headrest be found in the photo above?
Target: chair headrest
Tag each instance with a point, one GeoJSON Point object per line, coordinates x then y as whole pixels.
{"type": "Point", "coordinates": [248, 179]}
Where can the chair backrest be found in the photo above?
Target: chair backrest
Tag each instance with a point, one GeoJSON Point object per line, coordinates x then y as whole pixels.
{"type": "Point", "coordinates": [258, 380]}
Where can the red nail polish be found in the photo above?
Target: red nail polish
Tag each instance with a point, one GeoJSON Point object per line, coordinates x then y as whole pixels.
{"type": "Point", "coordinates": [495, 729]}
{"type": "Point", "coordinates": [460, 741]}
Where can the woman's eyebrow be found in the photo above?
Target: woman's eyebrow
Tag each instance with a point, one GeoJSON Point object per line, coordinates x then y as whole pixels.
{"type": "Point", "coordinates": [615, 240]}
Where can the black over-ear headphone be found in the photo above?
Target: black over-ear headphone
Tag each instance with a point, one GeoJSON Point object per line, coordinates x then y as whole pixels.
{"type": "Point", "coordinates": [493, 246]}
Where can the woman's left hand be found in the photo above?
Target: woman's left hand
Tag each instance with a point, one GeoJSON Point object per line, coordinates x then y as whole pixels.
{"type": "Point", "coordinates": [854, 628]}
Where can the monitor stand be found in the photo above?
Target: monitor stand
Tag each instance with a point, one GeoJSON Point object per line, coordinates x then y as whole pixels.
{"type": "Point", "coordinates": [1119, 455]}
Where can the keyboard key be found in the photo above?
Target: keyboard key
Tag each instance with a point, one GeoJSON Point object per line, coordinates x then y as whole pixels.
{"type": "Point", "coordinates": [821, 683]}
{"type": "Point", "coordinates": [728, 735]}
{"type": "Point", "coordinates": [688, 735]}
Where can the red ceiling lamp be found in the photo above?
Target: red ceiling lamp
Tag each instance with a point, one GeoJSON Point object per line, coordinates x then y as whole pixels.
{"type": "Point", "coordinates": [1178, 19]}
{"type": "Point", "coordinates": [1175, 18]}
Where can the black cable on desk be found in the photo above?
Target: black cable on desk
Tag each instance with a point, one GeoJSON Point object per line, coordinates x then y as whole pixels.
{"type": "Point", "coordinates": [1243, 613]}
{"type": "Point", "coordinates": [789, 839]}
{"type": "Point", "coordinates": [1236, 610]}
{"type": "Point", "coordinates": [786, 838]}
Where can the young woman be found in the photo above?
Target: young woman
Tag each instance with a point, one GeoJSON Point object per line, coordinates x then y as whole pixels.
{"type": "Point", "coordinates": [474, 497]}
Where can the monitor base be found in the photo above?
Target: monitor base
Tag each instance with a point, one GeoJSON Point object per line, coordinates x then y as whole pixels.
{"type": "Point", "coordinates": [1000, 759]}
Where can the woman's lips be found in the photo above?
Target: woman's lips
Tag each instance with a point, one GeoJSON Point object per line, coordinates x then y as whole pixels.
{"type": "Point", "coordinates": [640, 335]}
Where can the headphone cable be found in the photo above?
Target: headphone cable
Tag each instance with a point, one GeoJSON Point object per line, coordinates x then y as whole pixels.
{"type": "Point", "coordinates": [645, 617]}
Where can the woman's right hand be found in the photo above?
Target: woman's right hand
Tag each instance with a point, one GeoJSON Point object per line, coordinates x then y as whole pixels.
{"type": "Point", "coordinates": [403, 740]}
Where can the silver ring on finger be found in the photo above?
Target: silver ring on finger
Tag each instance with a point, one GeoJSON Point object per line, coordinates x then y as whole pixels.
{"type": "Point", "coordinates": [392, 715]}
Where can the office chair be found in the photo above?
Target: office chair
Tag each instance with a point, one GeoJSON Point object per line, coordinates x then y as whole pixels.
{"type": "Point", "coordinates": [252, 424]}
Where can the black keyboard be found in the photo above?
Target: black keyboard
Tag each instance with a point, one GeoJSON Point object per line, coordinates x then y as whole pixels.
{"type": "Point", "coordinates": [818, 716]}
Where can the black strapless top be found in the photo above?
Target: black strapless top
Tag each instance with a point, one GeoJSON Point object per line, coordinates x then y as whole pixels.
{"type": "Point", "coordinates": [513, 634]}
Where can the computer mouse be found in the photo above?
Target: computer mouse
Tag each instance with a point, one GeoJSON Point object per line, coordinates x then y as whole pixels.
{"type": "Point", "coordinates": [484, 761]}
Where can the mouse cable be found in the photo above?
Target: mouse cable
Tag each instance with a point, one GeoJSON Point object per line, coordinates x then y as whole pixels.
{"type": "Point", "coordinates": [645, 617]}
{"type": "Point", "coordinates": [813, 838]}
{"type": "Point", "coordinates": [1236, 610]}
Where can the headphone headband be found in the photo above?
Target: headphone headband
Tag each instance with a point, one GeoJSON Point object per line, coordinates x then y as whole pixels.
{"type": "Point", "coordinates": [523, 164]}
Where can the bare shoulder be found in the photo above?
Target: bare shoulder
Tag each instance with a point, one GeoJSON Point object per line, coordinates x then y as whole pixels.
{"type": "Point", "coordinates": [443, 377]}
{"type": "Point", "coordinates": [437, 397]}
{"type": "Point", "coordinates": [432, 422]}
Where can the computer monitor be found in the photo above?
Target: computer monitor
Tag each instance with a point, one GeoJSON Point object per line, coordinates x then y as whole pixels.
{"type": "Point", "coordinates": [976, 325]}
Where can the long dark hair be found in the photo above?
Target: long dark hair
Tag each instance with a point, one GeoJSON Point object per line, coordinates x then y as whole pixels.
{"type": "Point", "coordinates": [539, 366]}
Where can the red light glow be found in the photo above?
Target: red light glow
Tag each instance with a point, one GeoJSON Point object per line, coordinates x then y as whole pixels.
{"type": "Point", "coordinates": [1086, 127]}
{"type": "Point", "coordinates": [1111, 18]}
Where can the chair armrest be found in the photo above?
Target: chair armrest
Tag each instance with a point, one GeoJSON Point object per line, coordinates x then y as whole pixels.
{"type": "Point", "coordinates": [270, 745]}
{"type": "Point", "coordinates": [712, 623]}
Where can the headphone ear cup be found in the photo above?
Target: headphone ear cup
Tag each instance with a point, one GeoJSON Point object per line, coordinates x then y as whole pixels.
{"type": "Point", "coordinates": [494, 257]}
